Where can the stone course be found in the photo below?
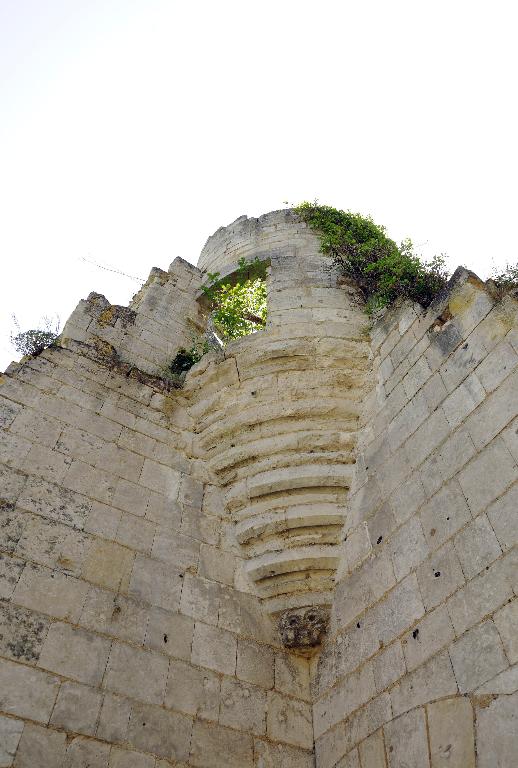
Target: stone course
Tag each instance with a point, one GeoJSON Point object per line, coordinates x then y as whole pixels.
{"type": "Point", "coordinates": [151, 536]}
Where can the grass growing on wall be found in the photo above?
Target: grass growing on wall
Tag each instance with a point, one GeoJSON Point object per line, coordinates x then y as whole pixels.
{"type": "Point", "coordinates": [361, 250]}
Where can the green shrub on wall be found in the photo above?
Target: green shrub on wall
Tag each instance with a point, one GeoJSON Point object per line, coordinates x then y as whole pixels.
{"type": "Point", "coordinates": [382, 270]}
{"type": "Point", "coordinates": [238, 307]}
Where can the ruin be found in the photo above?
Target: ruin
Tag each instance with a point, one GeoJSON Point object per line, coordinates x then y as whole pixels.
{"type": "Point", "coordinates": [305, 556]}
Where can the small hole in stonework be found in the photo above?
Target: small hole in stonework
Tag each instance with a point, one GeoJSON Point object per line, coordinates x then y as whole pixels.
{"type": "Point", "coordinates": [345, 538]}
{"type": "Point", "coordinates": [293, 621]}
{"type": "Point", "coordinates": [165, 638]}
{"type": "Point", "coordinates": [415, 633]}
{"type": "Point", "coordinates": [144, 725]}
{"type": "Point", "coordinates": [380, 539]}
{"type": "Point", "coordinates": [391, 749]}
{"type": "Point", "coordinates": [487, 567]}
{"type": "Point", "coordinates": [433, 532]}
{"type": "Point", "coordinates": [180, 575]}
{"type": "Point", "coordinates": [437, 573]}
{"type": "Point", "coordinates": [447, 518]}
{"type": "Point", "coordinates": [358, 625]}
{"type": "Point", "coordinates": [465, 346]}
{"type": "Point", "coordinates": [311, 617]}
{"type": "Point", "coordinates": [253, 393]}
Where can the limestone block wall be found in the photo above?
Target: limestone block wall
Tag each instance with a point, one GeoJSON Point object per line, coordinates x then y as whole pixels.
{"type": "Point", "coordinates": [126, 638]}
{"type": "Point", "coordinates": [420, 666]}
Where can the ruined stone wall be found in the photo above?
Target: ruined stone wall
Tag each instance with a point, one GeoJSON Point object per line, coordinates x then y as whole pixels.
{"type": "Point", "coordinates": [152, 538]}
{"type": "Point", "coordinates": [129, 635]}
{"type": "Point", "coordinates": [419, 668]}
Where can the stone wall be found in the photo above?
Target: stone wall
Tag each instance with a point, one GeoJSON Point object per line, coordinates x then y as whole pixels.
{"type": "Point", "coordinates": [419, 668]}
{"type": "Point", "coordinates": [151, 537]}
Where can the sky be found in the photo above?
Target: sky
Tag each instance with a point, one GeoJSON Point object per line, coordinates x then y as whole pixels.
{"type": "Point", "coordinates": [130, 130]}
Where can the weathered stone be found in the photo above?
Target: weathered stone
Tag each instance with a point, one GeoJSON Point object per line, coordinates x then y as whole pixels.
{"type": "Point", "coordinates": [477, 656]}
{"type": "Point", "coordinates": [77, 708]}
{"type": "Point", "coordinates": [75, 653]}
{"type": "Point", "coordinates": [452, 740]}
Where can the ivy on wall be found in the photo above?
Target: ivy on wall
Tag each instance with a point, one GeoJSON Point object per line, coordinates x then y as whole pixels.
{"type": "Point", "coordinates": [362, 252]}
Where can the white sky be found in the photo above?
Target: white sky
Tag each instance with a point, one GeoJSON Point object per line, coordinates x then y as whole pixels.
{"type": "Point", "coordinates": [131, 129]}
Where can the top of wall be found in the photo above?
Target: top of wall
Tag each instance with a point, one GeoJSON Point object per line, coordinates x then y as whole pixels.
{"type": "Point", "coordinates": [250, 237]}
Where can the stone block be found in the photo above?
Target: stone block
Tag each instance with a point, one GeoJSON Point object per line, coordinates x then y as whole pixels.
{"type": "Point", "coordinates": [267, 755]}
{"type": "Point", "coordinates": [463, 400]}
{"type": "Point", "coordinates": [54, 545]}
{"type": "Point", "coordinates": [90, 481]}
{"type": "Point", "coordinates": [102, 520]}
{"type": "Point", "coordinates": [477, 546]}
{"type": "Point", "coordinates": [356, 547]}
{"type": "Point", "coordinates": [446, 460]}
{"type": "Point", "coordinates": [502, 516]}
{"type": "Point", "coordinates": [243, 706]}
{"type": "Point", "coordinates": [440, 576]}
{"type": "Point", "coordinates": [408, 548]}
{"type": "Point", "coordinates": [136, 533]}
{"type": "Point", "coordinates": [12, 524]}
{"type": "Point", "coordinates": [217, 747]}
{"type": "Point", "coordinates": [477, 656]}
{"type": "Point", "coordinates": [10, 735]}
{"type": "Point", "coordinates": [138, 674]}
{"type": "Point", "coordinates": [170, 633]}
{"type": "Point", "coordinates": [481, 596]}
{"type": "Point", "coordinates": [114, 718]}
{"type": "Point", "coordinates": [433, 633]}
{"type": "Point", "coordinates": [75, 653]}
{"type": "Point", "coordinates": [150, 581]}
{"type": "Point", "coordinates": [107, 564]}
{"type": "Point", "coordinates": [159, 731]}
{"type": "Point", "coordinates": [372, 751]}
{"type": "Point", "coordinates": [505, 682]}
{"type": "Point", "coordinates": [200, 599]}
{"type": "Point", "coordinates": [498, 410]}
{"type": "Point", "coordinates": [10, 572]}
{"type": "Point", "coordinates": [291, 675]}
{"type": "Point", "coordinates": [497, 365]}
{"type": "Point", "coordinates": [255, 663]}
{"type": "Point", "coordinates": [27, 692]}
{"type": "Point", "coordinates": [397, 612]}
{"type": "Point", "coordinates": [214, 648]}
{"type": "Point", "coordinates": [123, 758]}
{"type": "Point", "coordinates": [193, 691]}
{"type": "Point", "coordinates": [172, 547]}
{"type": "Point", "coordinates": [40, 748]}
{"type": "Point", "coordinates": [452, 739]}
{"type": "Point", "coordinates": [406, 741]}
{"type": "Point", "coordinates": [487, 476]}
{"type": "Point", "coordinates": [51, 592]}
{"type": "Point", "coordinates": [114, 615]}
{"type": "Point", "coordinates": [407, 499]}
{"type": "Point", "coordinates": [445, 514]}
{"type": "Point", "coordinates": [217, 565]}
{"type": "Point", "coordinates": [363, 588]}
{"type": "Point", "coordinates": [433, 680]}
{"type": "Point", "coordinates": [131, 497]}
{"type": "Point", "coordinates": [381, 525]}
{"type": "Point", "coordinates": [161, 479]}
{"type": "Point", "coordinates": [497, 734]}
{"type": "Point", "coordinates": [8, 412]}
{"type": "Point", "coordinates": [427, 437]}
{"type": "Point", "coordinates": [506, 620]}
{"type": "Point", "coordinates": [351, 760]}
{"type": "Point", "coordinates": [77, 708]}
{"type": "Point", "coordinates": [55, 502]}
{"type": "Point", "coordinates": [289, 721]}
{"type": "Point", "coordinates": [22, 633]}
{"type": "Point", "coordinates": [85, 753]}
{"type": "Point", "coordinates": [389, 666]}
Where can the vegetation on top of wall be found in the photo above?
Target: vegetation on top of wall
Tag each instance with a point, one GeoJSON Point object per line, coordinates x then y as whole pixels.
{"type": "Point", "coordinates": [35, 340]}
{"type": "Point", "coordinates": [362, 252]}
{"type": "Point", "coordinates": [505, 278]}
{"type": "Point", "coordinates": [238, 306]}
